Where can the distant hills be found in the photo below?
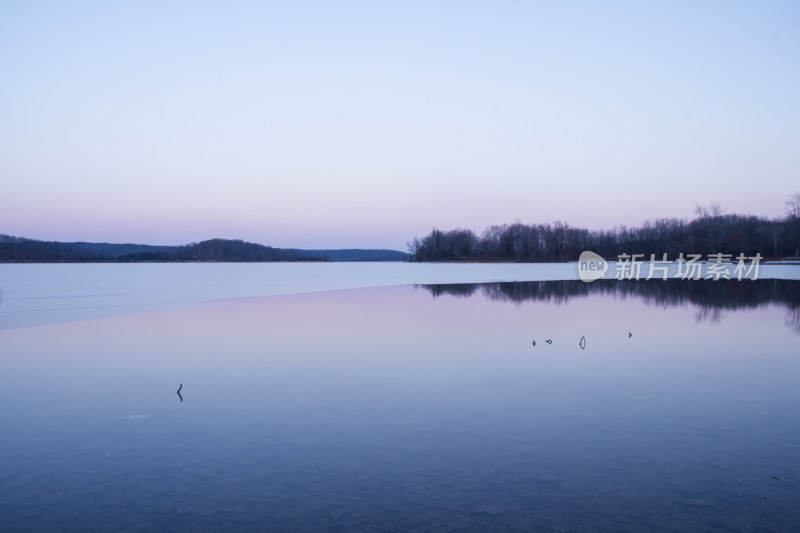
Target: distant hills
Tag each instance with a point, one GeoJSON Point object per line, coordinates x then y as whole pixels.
{"type": "Point", "coordinates": [23, 250]}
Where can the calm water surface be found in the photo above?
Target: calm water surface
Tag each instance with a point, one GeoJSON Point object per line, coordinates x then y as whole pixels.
{"type": "Point", "coordinates": [41, 294]}
{"type": "Point", "coordinates": [413, 408]}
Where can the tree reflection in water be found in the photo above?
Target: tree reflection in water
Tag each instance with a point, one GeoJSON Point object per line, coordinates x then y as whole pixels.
{"type": "Point", "coordinates": [710, 297]}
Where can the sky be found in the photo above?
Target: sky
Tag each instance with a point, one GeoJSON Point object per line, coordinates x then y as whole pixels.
{"type": "Point", "coordinates": [338, 124]}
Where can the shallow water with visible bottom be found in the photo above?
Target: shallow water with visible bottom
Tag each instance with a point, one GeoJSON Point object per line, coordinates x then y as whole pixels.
{"type": "Point", "coordinates": [413, 408]}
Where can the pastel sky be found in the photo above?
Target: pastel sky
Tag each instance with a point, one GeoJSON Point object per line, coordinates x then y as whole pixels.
{"type": "Point", "coordinates": [362, 124]}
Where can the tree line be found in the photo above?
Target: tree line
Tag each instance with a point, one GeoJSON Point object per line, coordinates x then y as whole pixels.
{"type": "Point", "coordinates": [711, 231]}
{"type": "Point", "coordinates": [224, 250]}
{"type": "Point", "coordinates": [20, 249]}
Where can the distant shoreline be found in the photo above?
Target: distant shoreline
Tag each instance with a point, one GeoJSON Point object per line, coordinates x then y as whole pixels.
{"type": "Point", "coordinates": [787, 260]}
{"type": "Point", "coordinates": [23, 250]}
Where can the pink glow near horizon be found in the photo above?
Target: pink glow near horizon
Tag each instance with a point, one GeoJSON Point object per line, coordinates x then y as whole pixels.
{"type": "Point", "coordinates": [329, 127]}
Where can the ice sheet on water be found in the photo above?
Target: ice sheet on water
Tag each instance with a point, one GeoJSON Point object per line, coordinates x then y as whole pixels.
{"type": "Point", "coordinates": [39, 294]}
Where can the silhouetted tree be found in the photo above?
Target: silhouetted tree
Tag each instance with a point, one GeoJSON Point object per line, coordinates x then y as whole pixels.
{"type": "Point", "coordinates": [793, 219]}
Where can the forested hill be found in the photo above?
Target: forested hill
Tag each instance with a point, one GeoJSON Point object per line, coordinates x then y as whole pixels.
{"type": "Point", "coordinates": [222, 250]}
{"type": "Point", "coordinates": [20, 250]}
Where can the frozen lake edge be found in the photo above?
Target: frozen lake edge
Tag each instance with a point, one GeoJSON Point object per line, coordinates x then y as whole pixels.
{"type": "Point", "coordinates": [35, 294]}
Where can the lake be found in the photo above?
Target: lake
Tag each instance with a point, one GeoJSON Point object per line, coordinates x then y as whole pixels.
{"type": "Point", "coordinates": [379, 397]}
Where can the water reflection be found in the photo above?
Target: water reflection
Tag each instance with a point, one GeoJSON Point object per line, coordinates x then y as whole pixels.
{"type": "Point", "coordinates": [386, 409]}
{"type": "Point", "coordinates": [793, 320]}
{"type": "Point", "coordinates": [709, 297]}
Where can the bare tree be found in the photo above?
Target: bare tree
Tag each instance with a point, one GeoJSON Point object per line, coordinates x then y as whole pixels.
{"type": "Point", "coordinates": [774, 233]}
{"type": "Point", "coordinates": [793, 218]}
{"type": "Point", "coordinates": [701, 211]}
{"type": "Point", "coordinates": [793, 206]}
{"type": "Point", "coordinates": [715, 209]}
